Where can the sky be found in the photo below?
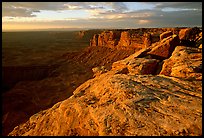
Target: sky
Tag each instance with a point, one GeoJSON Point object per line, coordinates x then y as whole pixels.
{"type": "Point", "coordinates": [18, 16]}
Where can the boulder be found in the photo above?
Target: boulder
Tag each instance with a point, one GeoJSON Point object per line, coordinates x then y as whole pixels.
{"type": "Point", "coordinates": [164, 48]}
{"type": "Point", "coordinates": [185, 62]}
{"type": "Point", "coordinates": [136, 66]}
{"type": "Point", "coordinates": [128, 105]}
{"type": "Point", "coordinates": [189, 33]}
{"type": "Point", "coordinates": [99, 70]}
{"type": "Point", "coordinates": [165, 35]}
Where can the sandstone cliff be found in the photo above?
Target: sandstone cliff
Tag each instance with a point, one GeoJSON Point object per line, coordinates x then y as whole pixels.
{"type": "Point", "coordinates": [155, 91]}
{"type": "Point", "coordinates": [131, 38]}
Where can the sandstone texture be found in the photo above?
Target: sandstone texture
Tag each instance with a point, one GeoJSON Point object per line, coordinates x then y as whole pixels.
{"type": "Point", "coordinates": [142, 82]}
{"type": "Point", "coordinates": [165, 35]}
{"type": "Point", "coordinates": [136, 66]}
{"type": "Point", "coordinates": [165, 47]}
{"type": "Point", "coordinates": [137, 105]}
{"type": "Point", "coordinates": [191, 37]}
{"type": "Point", "coordinates": [132, 38]}
{"type": "Point", "coordinates": [185, 62]}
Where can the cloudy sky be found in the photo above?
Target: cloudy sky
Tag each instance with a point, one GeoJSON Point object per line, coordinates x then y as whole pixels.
{"type": "Point", "coordinates": [45, 15]}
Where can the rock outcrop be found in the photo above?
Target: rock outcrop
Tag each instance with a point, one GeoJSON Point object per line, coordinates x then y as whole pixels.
{"type": "Point", "coordinates": [106, 38]}
{"type": "Point", "coordinates": [165, 47]}
{"type": "Point", "coordinates": [191, 37]}
{"type": "Point", "coordinates": [132, 38]}
{"type": "Point", "coordinates": [135, 65]}
{"type": "Point", "coordinates": [155, 88]}
{"type": "Point", "coordinates": [165, 35]}
{"type": "Point", "coordinates": [130, 105]}
{"type": "Point", "coordinates": [185, 62]}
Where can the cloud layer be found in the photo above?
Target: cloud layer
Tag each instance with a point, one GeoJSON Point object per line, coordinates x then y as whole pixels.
{"type": "Point", "coordinates": [105, 14]}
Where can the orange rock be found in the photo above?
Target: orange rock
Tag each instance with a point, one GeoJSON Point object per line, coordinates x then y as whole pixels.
{"type": "Point", "coordinates": [185, 62]}
{"type": "Point", "coordinates": [165, 35]}
{"type": "Point", "coordinates": [189, 33]}
{"type": "Point", "coordinates": [147, 39]}
{"type": "Point", "coordinates": [165, 47]}
{"type": "Point", "coordinates": [94, 40]}
{"type": "Point", "coordinates": [200, 46]}
{"type": "Point", "coordinates": [123, 105]}
{"type": "Point", "coordinates": [125, 39]}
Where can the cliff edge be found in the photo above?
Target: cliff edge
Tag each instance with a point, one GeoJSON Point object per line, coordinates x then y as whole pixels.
{"type": "Point", "coordinates": [156, 91]}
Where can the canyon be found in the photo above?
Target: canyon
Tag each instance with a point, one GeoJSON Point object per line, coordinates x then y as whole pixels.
{"type": "Point", "coordinates": [140, 82]}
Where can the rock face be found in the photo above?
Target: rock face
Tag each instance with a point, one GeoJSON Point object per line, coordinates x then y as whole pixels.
{"type": "Point", "coordinates": [31, 96]}
{"type": "Point", "coordinates": [134, 38]}
{"type": "Point", "coordinates": [155, 91]}
{"type": "Point", "coordinates": [165, 47]}
{"type": "Point", "coordinates": [94, 40]}
{"type": "Point", "coordinates": [136, 66]}
{"type": "Point", "coordinates": [185, 62]}
{"type": "Point", "coordinates": [99, 70]}
{"type": "Point", "coordinates": [106, 38]}
{"type": "Point", "coordinates": [139, 105]}
{"type": "Point", "coordinates": [191, 37]}
{"type": "Point", "coordinates": [125, 39]}
{"type": "Point", "coordinates": [165, 35]}
{"type": "Point", "coordinates": [189, 33]}
{"type": "Point", "coordinates": [147, 40]}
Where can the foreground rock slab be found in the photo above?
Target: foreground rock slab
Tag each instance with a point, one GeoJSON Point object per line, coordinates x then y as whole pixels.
{"type": "Point", "coordinates": [185, 62]}
{"type": "Point", "coordinates": [139, 105]}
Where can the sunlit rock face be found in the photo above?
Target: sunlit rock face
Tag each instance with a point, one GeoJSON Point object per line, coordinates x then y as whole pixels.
{"type": "Point", "coordinates": [191, 37]}
{"type": "Point", "coordinates": [153, 90]}
{"type": "Point", "coordinates": [185, 62]}
{"type": "Point", "coordinates": [141, 105]}
{"type": "Point", "coordinates": [128, 100]}
{"type": "Point", "coordinates": [165, 47]}
{"type": "Point", "coordinates": [165, 35]}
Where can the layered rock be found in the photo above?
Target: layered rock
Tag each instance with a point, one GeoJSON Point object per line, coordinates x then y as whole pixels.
{"type": "Point", "coordinates": [189, 33]}
{"type": "Point", "coordinates": [135, 65]}
{"type": "Point", "coordinates": [185, 62]}
{"type": "Point", "coordinates": [147, 40]}
{"type": "Point", "coordinates": [165, 47]}
{"type": "Point", "coordinates": [165, 35]}
{"type": "Point", "coordinates": [99, 70]}
{"type": "Point", "coordinates": [106, 38]}
{"type": "Point", "coordinates": [94, 40]}
{"type": "Point", "coordinates": [132, 38]}
{"type": "Point", "coordinates": [130, 105]}
{"type": "Point", "coordinates": [125, 39]}
{"type": "Point", "coordinates": [191, 37]}
{"type": "Point", "coordinates": [127, 100]}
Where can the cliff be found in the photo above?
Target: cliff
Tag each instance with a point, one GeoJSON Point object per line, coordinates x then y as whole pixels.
{"type": "Point", "coordinates": [129, 104]}
{"type": "Point", "coordinates": [155, 89]}
{"type": "Point", "coordinates": [131, 38]}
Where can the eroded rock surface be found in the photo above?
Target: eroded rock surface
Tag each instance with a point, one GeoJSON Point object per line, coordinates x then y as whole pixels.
{"type": "Point", "coordinates": [136, 66]}
{"type": "Point", "coordinates": [122, 98]}
{"type": "Point", "coordinates": [165, 35]}
{"type": "Point", "coordinates": [185, 62]}
{"type": "Point", "coordinates": [165, 47]}
{"type": "Point", "coordinates": [139, 105]}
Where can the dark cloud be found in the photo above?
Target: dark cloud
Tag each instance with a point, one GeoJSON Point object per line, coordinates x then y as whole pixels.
{"type": "Point", "coordinates": [187, 5]}
{"type": "Point", "coordinates": [116, 15]}
{"type": "Point", "coordinates": [16, 8]}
